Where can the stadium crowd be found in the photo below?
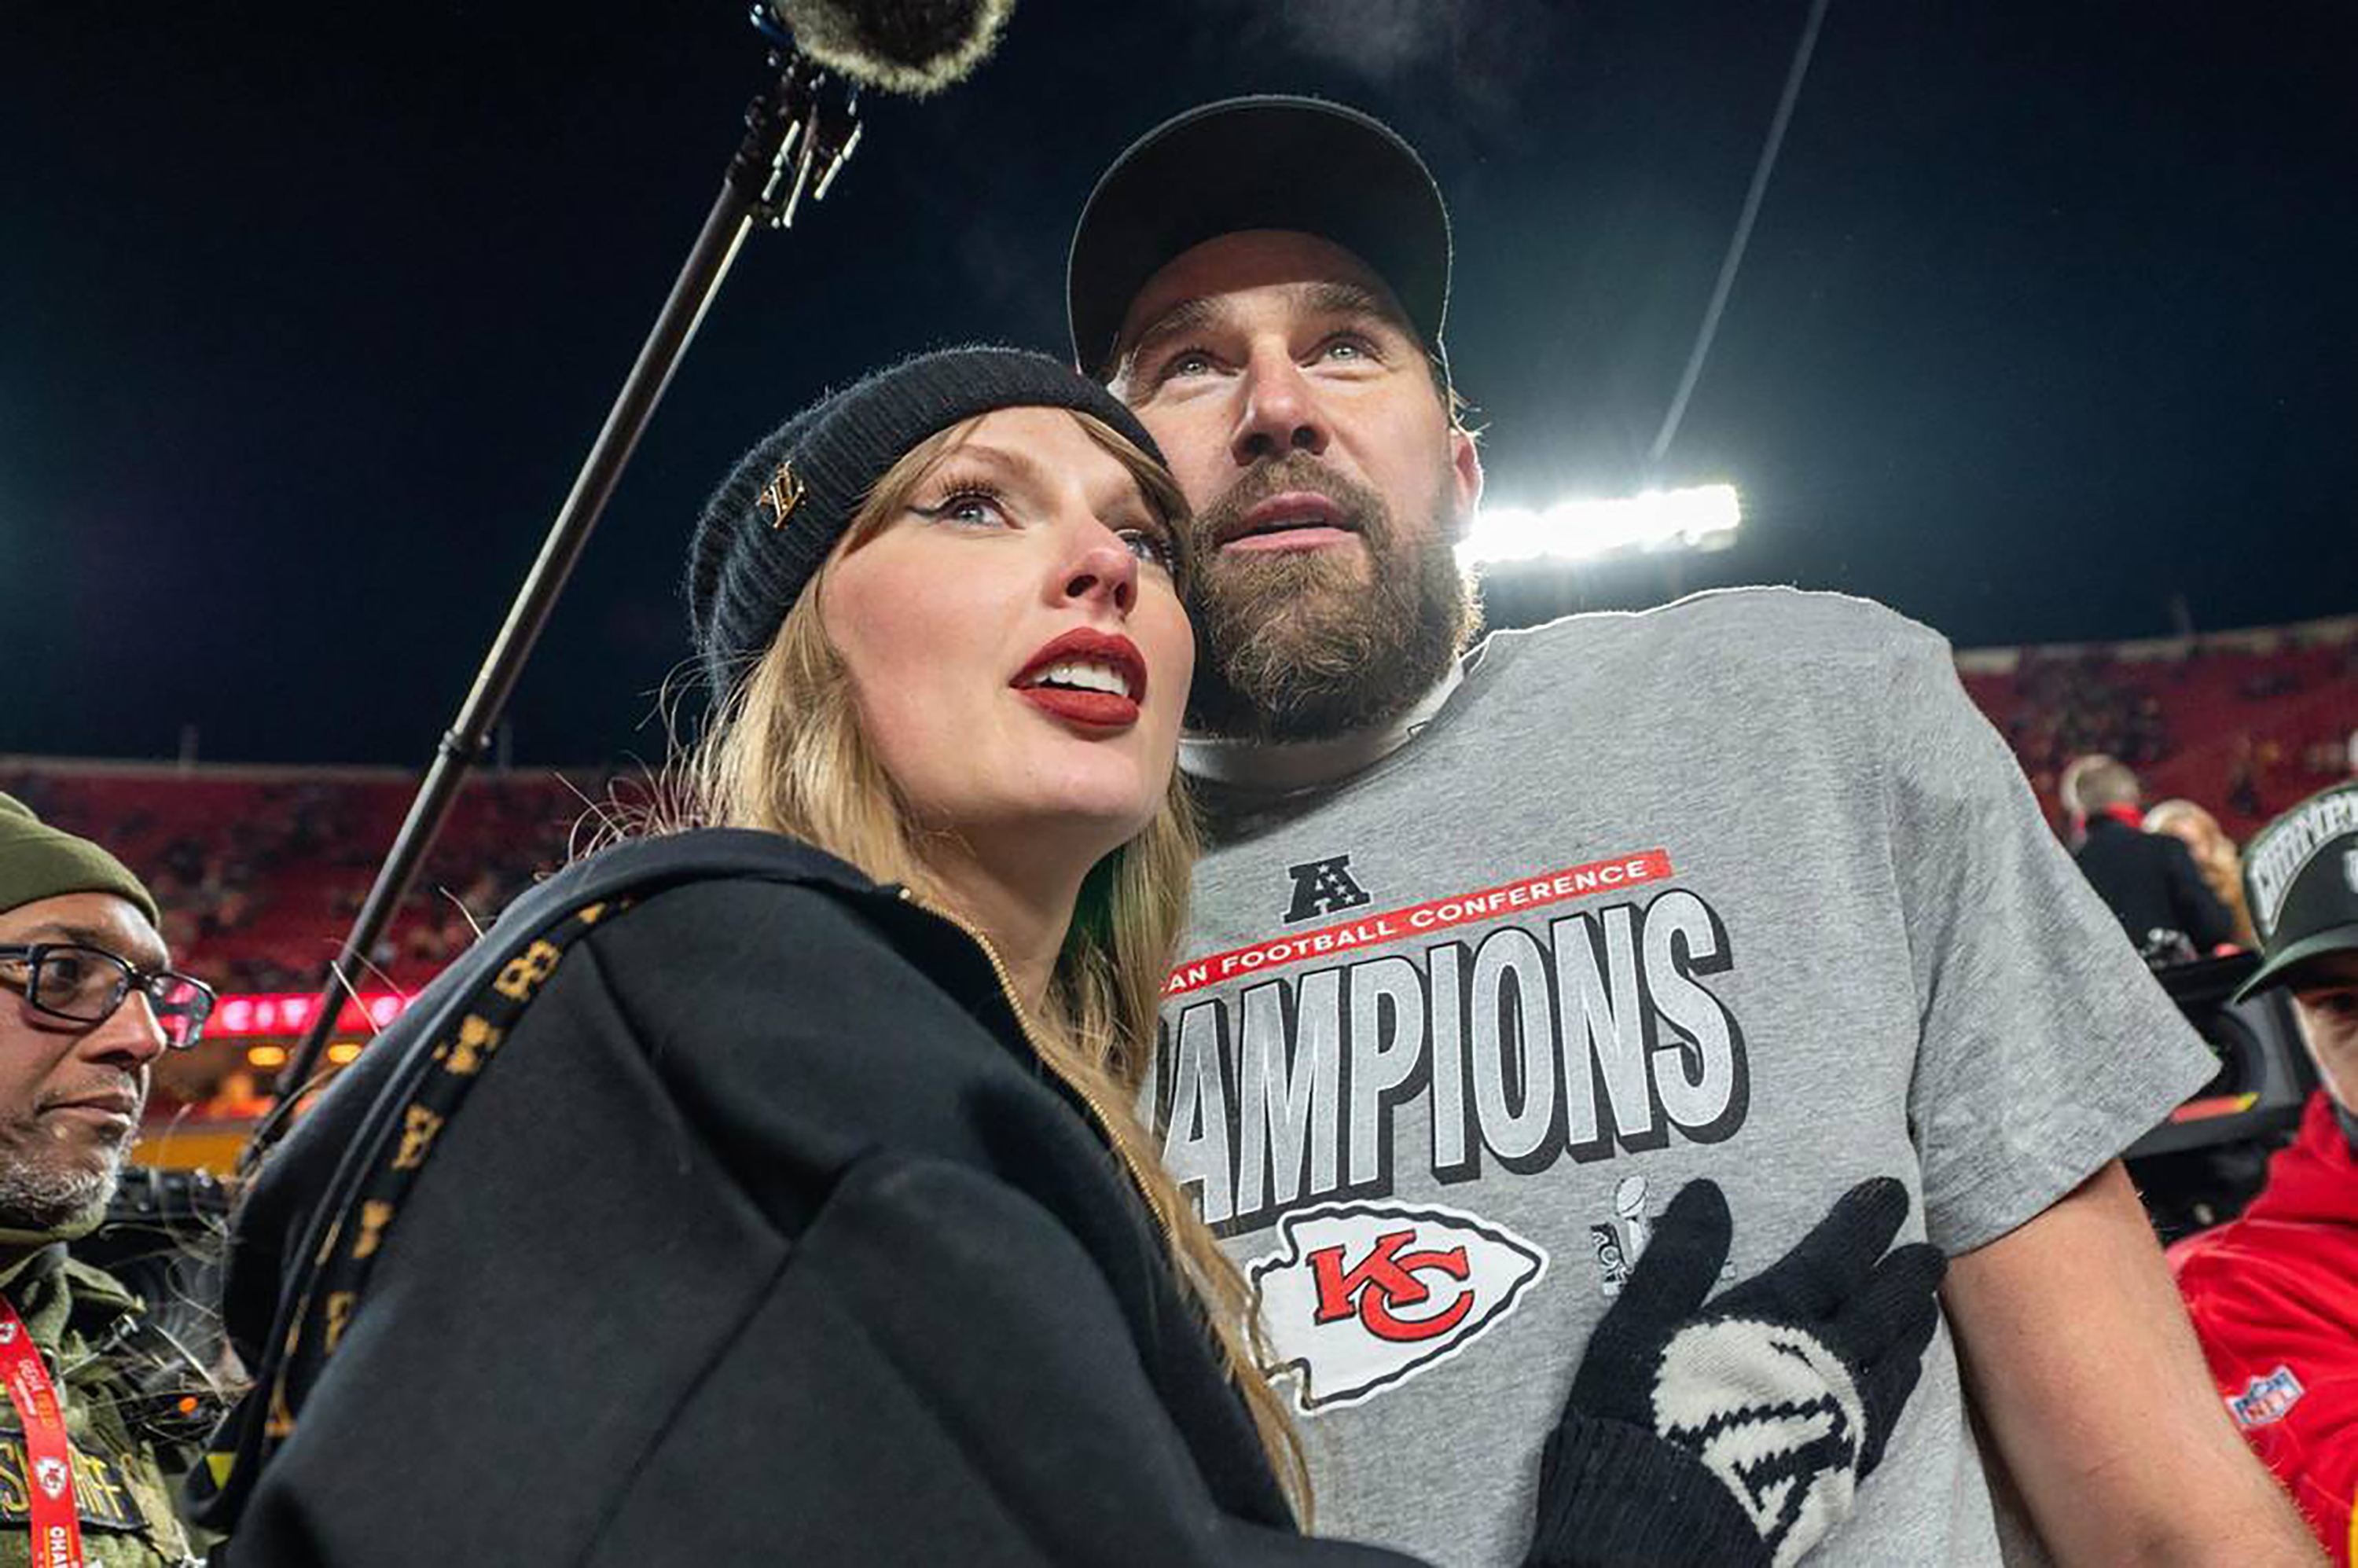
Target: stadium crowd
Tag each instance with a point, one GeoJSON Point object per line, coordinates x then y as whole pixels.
{"type": "Point", "coordinates": [259, 872]}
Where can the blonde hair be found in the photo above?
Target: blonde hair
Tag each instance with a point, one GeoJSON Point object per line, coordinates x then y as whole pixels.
{"type": "Point", "coordinates": [2215, 855]}
{"type": "Point", "coordinates": [787, 754]}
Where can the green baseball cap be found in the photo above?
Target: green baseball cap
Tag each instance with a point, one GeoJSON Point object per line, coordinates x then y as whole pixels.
{"type": "Point", "coordinates": [38, 861]}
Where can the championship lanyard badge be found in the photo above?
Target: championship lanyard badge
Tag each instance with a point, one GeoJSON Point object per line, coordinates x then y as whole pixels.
{"type": "Point", "coordinates": [48, 1455]}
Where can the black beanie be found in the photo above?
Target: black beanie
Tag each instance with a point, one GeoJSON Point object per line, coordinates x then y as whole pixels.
{"type": "Point", "coordinates": [748, 563]}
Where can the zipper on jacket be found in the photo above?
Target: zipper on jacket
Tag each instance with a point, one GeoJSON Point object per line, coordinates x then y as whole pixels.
{"type": "Point", "coordinates": [1023, 1022]}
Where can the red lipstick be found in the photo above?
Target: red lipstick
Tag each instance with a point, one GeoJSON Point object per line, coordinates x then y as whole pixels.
{"type": "Point", "coordinates": [1056, 678]}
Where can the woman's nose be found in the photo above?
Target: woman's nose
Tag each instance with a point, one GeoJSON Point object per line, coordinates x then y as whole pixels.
{"type": "Point", "coordinates": [1103, 569]}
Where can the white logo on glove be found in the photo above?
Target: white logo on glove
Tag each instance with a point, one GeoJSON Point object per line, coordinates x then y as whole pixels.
{"type": "Point", "coordinates": [1775, 1415]}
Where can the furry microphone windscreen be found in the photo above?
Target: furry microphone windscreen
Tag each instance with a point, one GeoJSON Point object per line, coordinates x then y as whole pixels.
{"type": "Point", "coordinates": [912, 46]}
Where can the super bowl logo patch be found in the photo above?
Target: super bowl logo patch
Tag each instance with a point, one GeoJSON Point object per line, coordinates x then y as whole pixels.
{"type": "Point", "coordinates": [2266, 1399]}
{"type": "Point", "coordinates": [1619, 1244]}
{"type": "Point", "coordinates": [1364, 1297]}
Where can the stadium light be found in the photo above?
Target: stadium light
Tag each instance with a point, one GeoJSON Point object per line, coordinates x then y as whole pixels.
{"type": "Point", "coordinates": [1702, 517]}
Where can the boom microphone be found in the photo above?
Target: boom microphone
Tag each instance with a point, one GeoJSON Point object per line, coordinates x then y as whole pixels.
{"type": "Point", "coordinates": [798, 133]}
{"type": "Point", "coordinates": [912, 46]}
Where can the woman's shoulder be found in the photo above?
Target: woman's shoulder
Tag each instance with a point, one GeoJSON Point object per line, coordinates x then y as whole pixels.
{"type": "Point", "coordinates": [641, 868]}
{"type": "Point", "coordinates": [713, 899]}
{"type": "Point", "coordinates": [748, 915]}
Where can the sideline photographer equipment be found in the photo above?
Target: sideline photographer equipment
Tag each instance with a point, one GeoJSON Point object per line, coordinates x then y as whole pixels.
{"type": "Point", "coordinates": [799, 132]}
{"type": "Point", "coordinates": [2210, 1157]}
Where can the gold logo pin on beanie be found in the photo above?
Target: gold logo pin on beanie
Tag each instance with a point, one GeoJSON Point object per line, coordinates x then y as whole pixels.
{"type": "Point", "coordinates": [784, 493]}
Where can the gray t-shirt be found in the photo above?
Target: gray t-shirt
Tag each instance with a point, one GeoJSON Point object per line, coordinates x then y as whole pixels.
{"type": "Point", "coordinates": [1740, 888]}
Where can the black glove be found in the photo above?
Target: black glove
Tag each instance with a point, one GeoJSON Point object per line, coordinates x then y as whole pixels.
{"type": "Point", "coordinates": [1736, 1431]}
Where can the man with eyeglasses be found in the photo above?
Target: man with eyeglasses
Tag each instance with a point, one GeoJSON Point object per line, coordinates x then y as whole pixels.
{"type": "Point", "coordinates": [88, 1000]}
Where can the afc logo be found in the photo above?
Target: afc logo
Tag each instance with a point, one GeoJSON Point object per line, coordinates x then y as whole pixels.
{"type": "Point", "coordinates": [1363, 1297]}
{"type": "Point", "coordinates": [1322, 887]}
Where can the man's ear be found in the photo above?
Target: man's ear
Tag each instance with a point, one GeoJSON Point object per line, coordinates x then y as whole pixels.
{"type": "Point", "coordinates": [1465, 477]}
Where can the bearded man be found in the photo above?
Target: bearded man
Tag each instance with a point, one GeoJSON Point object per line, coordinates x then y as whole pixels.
{"type": "Point", "coordinates": [88, 1000]}
{"type": "Point", "coordinates": [1497, 949]}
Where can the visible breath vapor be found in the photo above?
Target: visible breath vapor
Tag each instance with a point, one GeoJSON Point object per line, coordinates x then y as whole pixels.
{"type": "Point", "coordinates": [1488, 50]}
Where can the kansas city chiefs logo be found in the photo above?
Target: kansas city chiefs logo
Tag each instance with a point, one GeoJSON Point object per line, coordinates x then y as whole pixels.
{"type": "Point", "coordinates": [1363, 1297]}
{"type": "Point", "coordinates": [51, 1474]}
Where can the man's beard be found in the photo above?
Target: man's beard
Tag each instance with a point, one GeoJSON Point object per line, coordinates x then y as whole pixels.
{"type": "Point", "coordinates": [41, 1194]}
{"type": "Point", "coordinates": [1290, 645]}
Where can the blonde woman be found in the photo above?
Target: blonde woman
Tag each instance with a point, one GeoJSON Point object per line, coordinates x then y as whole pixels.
{"type": "Point", "coordinates": [2214, 857]}
{"type": "Point", "coordinates": [771, 1192]}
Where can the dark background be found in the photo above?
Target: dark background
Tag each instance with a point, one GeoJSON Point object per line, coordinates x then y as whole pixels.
{"type": "Point", "coordinates": [308, 315]}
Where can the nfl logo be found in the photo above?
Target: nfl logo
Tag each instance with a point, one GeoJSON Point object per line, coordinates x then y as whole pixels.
{"type": "Point", "coordinates": [51, 1474]}
{"type": "Point", "coordinates": [2349, 868]}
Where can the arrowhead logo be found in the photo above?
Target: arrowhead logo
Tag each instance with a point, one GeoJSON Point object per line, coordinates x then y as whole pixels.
{"type": "Point", "coordinates": [1362, 1297]}
{"type": "Point", "coordinates": [51, 1474]}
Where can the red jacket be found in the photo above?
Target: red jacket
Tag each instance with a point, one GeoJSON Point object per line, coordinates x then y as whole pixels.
{"type": "Point", "coordinates": [2274, 1296]}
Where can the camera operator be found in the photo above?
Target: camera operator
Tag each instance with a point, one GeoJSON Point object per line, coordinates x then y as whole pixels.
{"type": "Point", "coordinates": [2273, 1294]}
{"type": "Point", "coordinates": [2150, 880]}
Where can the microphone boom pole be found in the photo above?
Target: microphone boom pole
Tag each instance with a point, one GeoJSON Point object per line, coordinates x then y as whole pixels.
{"type": "Point", "coordinates": [797, 135]}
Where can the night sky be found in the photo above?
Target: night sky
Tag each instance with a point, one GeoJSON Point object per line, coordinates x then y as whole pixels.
{"type": "Point", "coordinates": [309, 314]}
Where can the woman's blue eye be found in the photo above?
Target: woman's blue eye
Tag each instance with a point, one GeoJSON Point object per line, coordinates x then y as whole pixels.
{"type": "Point", "coordinates": [974, 508]}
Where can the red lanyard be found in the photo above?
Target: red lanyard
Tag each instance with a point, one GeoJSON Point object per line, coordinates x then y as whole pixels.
{"type": "Point", "coordinates": [48, 1455]}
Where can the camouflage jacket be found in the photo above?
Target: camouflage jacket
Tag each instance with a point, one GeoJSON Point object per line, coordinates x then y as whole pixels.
{"type": "Point", "coordinates": [73, 1313]}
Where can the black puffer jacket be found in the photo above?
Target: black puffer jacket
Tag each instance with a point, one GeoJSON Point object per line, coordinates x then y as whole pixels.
{"type": "Point", "coordinates": [762, 1238]}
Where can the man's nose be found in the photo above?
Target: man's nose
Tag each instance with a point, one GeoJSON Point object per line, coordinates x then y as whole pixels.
{"type": "Point", "coordinates": [1280, 412]}
{"type": "Point", "coordinates": [131, 1034]}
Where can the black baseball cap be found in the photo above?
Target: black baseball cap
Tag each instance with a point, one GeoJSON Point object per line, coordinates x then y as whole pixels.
{"type": "Point", "coordinates": [2301, 878]}
{"type": "Point", "coordinates": [1267, 162]}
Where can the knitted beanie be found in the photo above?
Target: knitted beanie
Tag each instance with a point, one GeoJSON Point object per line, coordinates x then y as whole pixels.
{"type": "Point", "coordinates": [788, 501]}
{"type": "Point", "coordinates": [39, 861]}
